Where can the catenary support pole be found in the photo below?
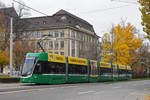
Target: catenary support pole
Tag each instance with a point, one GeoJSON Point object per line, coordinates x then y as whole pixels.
{"type": "Point", "coordinates": [11, 45]}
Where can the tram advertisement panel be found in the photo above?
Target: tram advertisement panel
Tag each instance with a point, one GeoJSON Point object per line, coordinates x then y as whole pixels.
{"type": "Point", "coordinates": [129, 68]}
{"type": "Point", "coordinates": [105, 65]}
{"type": "Point", "coordinates": [56, 58]}
{"type": "Point", "coordinates": [94, 69]}
{"type": "Point", "coordinates": [77, 61]}
{"type": "Point", "coordinates": [115, 71]}
{"type": "Point", "coordinates": [122, 67]}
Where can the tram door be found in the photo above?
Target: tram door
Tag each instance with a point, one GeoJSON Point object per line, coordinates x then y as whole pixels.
{"type": "Point", "coordinates": [115, 72]}
{"type": "Point", "coordinates": [93, 71]}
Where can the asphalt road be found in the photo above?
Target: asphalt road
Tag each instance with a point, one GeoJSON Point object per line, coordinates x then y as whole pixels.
{"type": "Point", "coordinates": [129, 90]}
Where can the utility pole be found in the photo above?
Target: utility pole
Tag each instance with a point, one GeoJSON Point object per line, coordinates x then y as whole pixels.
{"type": "Point", "coordinates": [101, 49]}
{"type": "Point", "coordinates": [11, 45]}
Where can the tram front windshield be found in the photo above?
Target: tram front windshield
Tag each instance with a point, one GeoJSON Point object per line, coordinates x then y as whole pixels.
{"type": "Point", "coordinates": [28, 66]}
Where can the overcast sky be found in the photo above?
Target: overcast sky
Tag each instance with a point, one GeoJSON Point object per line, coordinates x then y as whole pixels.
{"type": "Point", "coordinates": [100, 13]}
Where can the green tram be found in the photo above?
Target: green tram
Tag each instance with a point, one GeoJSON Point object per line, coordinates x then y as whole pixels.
{"type": "Point", "coordinates": [47, 68]}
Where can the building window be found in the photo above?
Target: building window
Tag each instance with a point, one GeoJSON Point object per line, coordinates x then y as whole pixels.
{"type": "Point", "coordinates": [62, 33]}
{"type": "Point", "coordinates": [37, 22]}
{"type": "Point", "coordinates": [33, 35]}
{"type": "Point", "coordinates": [26, 35]}
{"type": "Point", "coordinates": [56, 52]}
{"type": "Point", "coordinates": [56, 44]}
{"type": "Point", "coordinates": [51, 44]}
{"type": "Point", "coordinates": [90, 39]}
{"type": "Point", "coordinates": [51, 34]}
{"type": "Point", "coordinates": [38, 35]}
{"type": "Point", "coordinates": [23, 34]}
{"type": "Point", "coordinates": [82, 37]}
{"type": "Point", "coordinates": [43, 33]}
{"type": "Point", "coordinates": [87, 38]}
{"type": "Point", "coordinates": [33, 45]}
{"type": "Point", "coordinates": [56, 34]}
{"type": "Point", "coordinates": [72, 34]}
{"type": "Point", "coordinates": [44, 45]}
{"type": "Point", "coordinates": [51, 52]}
{"type": "Point", "coordinates": [62, 53]}
{"type": "Point", "coordinates": [61, 44]}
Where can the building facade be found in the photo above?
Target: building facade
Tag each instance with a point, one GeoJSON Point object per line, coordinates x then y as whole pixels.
{"type": "Point", "coordinates": [74, 36]}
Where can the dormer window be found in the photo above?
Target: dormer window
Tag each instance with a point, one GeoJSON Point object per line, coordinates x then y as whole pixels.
{"type": "Point", "coordinates": [78, 26]}
{"type": "Point", "coordinates": [63, 18]}
{"type": "Point", "coordinates": [44, 22]}
{"type": "Point", "coordinates": [70, 22]}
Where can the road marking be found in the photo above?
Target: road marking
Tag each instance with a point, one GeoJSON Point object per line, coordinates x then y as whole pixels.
{"type": "Point", "coordinates": [99, 92]}
{"type": "Point", "coordinates": [15, 92]}
{"type": "Point", "coordinates": [86, 92]}
{"type": "Point", "coordinates": [134, 84]}
{"type": "Point", "coordinates": [72, 86]}
{"type": "Point", "coordinates": [146, 89]}
{"type": "Point", "coordinates": [138, 94]}
{"type": "Point", "coordinates": [30, 91]}
{"type": "Point", "coordinates": [68, 86]}
{"type": "Point", "coordinates": [133, 93]}
{"type": "Point", "coordinates": [117, 87]}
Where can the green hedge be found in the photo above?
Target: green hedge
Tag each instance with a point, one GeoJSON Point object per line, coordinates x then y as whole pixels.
{"type": "Point", "coordinates": [9, 80]}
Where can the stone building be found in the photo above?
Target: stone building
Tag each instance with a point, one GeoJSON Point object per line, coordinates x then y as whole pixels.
{"type": "Point", "coordinates": [74, 36]}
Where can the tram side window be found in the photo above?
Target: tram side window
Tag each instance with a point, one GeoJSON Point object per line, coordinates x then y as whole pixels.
{"type": "Point", "coordinates": [121, 71]}
{"type": "Point", "coordinates": [38, 68]}
{"type": "Point", "coordinates": [105, 70]}
{"type": "Point", "coordinates": [129, 72]}
{"type": "Point", "coordinates": [77, 69]}
{"type": "Point", "coordinates": [46, 67]}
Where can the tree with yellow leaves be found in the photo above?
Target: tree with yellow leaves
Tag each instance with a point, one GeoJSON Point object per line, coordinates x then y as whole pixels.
{"type": "Point", "coordinates": [145, 11]}
{"type": "Point", "coordinates": [123, 44]}
{"type": "Point", "coordinates": [106, 45]}
{"type": "Point", "coordinates": [4, 60]}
